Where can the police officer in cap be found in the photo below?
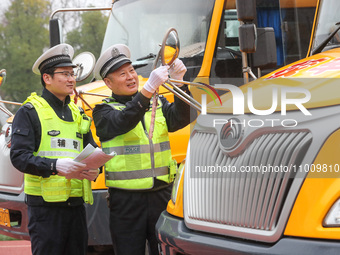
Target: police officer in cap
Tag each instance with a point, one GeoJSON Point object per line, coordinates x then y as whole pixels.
{"type": "Point", "coordinates": [139, 178]}
{"type": "Point", "coordinates": [48, 132]}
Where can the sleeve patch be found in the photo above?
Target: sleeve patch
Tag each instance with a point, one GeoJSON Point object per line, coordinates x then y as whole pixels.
{"type": "Point", "coordinates": [21, 131]}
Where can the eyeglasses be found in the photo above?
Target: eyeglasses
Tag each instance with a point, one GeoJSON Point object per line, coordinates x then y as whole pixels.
{"type": "Point", "coordinates": [67, 74]}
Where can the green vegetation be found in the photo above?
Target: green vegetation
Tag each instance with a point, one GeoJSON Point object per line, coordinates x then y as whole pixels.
{"type": "Point", "coordinates": [6, 238]}
{"type": "Point", "coordinates": [24, 36]}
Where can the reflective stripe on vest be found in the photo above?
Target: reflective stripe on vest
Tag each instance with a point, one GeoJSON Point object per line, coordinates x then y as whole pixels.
{"type": "Point", "coordinates": [129, 175]}
{"type": "Point", "coordinates": [57, 154]}
{"type": "Point", "coordinates": [136, 149]}
{"type": "Point", "coordinates": [139, 159]}
{"type": "Point", "coordinates": [59, 139]}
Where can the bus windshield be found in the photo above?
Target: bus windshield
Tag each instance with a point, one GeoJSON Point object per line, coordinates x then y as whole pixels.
{"type": "Point", "coordinates": [142, 24]}
{"type": "Point", "coordinates": [328, 16]}
{"type": "Point", "coordinates": [292, 22]}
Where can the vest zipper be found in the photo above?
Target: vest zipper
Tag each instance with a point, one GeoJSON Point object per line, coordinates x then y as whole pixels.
{"type": "Point", "coordinates": [63, 111]}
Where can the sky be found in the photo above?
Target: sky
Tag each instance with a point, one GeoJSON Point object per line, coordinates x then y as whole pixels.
{"type": "Point", "coordinates": [58, 4]}
{"type": "Point", "coordinates": [80, 3]}
{"type": "Point", "coordinates": [96, 3]}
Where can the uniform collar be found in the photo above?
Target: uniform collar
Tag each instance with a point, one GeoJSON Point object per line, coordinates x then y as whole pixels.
{"type": "Point", "coordinates": [123, 99]}
{"type": "Point", "coordinates": [53, 100]}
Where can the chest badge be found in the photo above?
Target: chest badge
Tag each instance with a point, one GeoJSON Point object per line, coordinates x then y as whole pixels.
{"type": "Point", "coordinates": [53, 132]}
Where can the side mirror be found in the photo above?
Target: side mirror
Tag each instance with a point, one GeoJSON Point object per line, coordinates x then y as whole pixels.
{"type": "Point", "coordinates": [85, 64]}
{"type": "Point", "coordinates": [168, 53]}
{"type": "Point", "coordinates": [170, 47]}
{"type": "Point", "coordinates": [247, 38]}
{"type": "Point", "coordinates": [2, 76]}
{"type": "Point", "coordinates": [246, 10]}
{"type": "Point", "coordinates": [55, 32]}
{"type": "Point", "coordinates": [246, 13]}
{"type": "Point", "coordinates": [265, 55]}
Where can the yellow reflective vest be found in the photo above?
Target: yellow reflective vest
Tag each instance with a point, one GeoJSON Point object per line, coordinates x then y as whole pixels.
{"type": "Point", "coordinates": [59, 139]}
{"type": "Point", "coordinates": [139, 159]}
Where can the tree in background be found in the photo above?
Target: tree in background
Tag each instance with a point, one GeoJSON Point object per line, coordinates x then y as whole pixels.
{"type": "Point", "coordinates": [89, 36]}
{"type": "Point", "coordinates": [23, 36]}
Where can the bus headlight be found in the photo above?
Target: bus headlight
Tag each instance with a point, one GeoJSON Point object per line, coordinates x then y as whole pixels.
{"type": "Point", "coordinates": [332, 218]}
{"type": "Point", "coordinates": [177, 181]}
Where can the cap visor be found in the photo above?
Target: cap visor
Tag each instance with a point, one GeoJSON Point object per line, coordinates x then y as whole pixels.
{"type": "Point", "coordinates": [118, 65]}
{"type": "Point", "coordinates": [65, 65]}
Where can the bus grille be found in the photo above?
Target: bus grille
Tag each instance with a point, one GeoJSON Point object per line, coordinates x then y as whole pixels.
{"type": "Point", "coordinates": [250, 200]}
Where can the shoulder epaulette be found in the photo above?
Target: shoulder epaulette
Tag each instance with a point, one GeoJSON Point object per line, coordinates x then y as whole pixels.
{"type": "Point", "coordinates": [108, 99]}
{"type": "Point", "coordinates": [81, 110]}
{"type": "Point", "coordinates": [29, 105]}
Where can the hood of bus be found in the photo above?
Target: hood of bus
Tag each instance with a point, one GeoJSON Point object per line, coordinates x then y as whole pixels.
{"type": "Point", "coordinates": [318, 74]}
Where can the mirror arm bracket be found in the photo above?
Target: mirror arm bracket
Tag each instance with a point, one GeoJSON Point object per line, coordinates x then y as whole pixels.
{"type": "Point", "coordinates": [182, 95]}
{"type": "Point", "coordinates": [249, 71]}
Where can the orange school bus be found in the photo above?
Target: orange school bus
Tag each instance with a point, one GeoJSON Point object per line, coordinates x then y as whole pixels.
{"type": "Point", "coordinates": [210, 48]}
{"type": "Point", "coordinates": [264, 179]}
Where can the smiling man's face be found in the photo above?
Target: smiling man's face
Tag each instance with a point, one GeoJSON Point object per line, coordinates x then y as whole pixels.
{"type": "Point", "coordinates": [123, 81]}
{"type": "Point", "coordinates": [60, 84]}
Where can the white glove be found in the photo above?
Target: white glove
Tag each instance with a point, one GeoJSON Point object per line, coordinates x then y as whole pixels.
{"type": "Point", "coordinates": [67, 167]}
{"type": "Point", "coordinates": [177, 70]}
{"type": "Point", "coordinates": [90, 175]}
{"type": "Point", "coordinates": [157, 78]}
{"type": "Point", "coordinates": [73, 175]}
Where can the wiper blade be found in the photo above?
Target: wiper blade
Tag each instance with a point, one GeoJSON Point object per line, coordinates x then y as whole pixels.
{"type": "Point", "coordinates": [324, 43]}
{"type": "Point", "coordinates": [149, 56]}
{"type": "Point", "coordinates": [136, 66]}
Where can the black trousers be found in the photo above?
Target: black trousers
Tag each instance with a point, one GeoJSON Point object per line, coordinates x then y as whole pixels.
{"type": "Point", "coordinates": [133, 217]}
{"type": "Point", "coordinates": [58, 230]}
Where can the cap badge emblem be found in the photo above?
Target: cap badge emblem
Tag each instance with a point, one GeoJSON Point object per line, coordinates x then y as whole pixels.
{"type": "Point", "coordinates": [115, 52]}
{"type": "Point", "coordinates": [65, 51]}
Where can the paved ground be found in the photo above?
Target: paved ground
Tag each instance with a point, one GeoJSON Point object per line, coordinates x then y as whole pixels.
{"type": "Point", "coordinates": [15, 248]}
{"type": "Point", "coordinates": [19, 247]}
